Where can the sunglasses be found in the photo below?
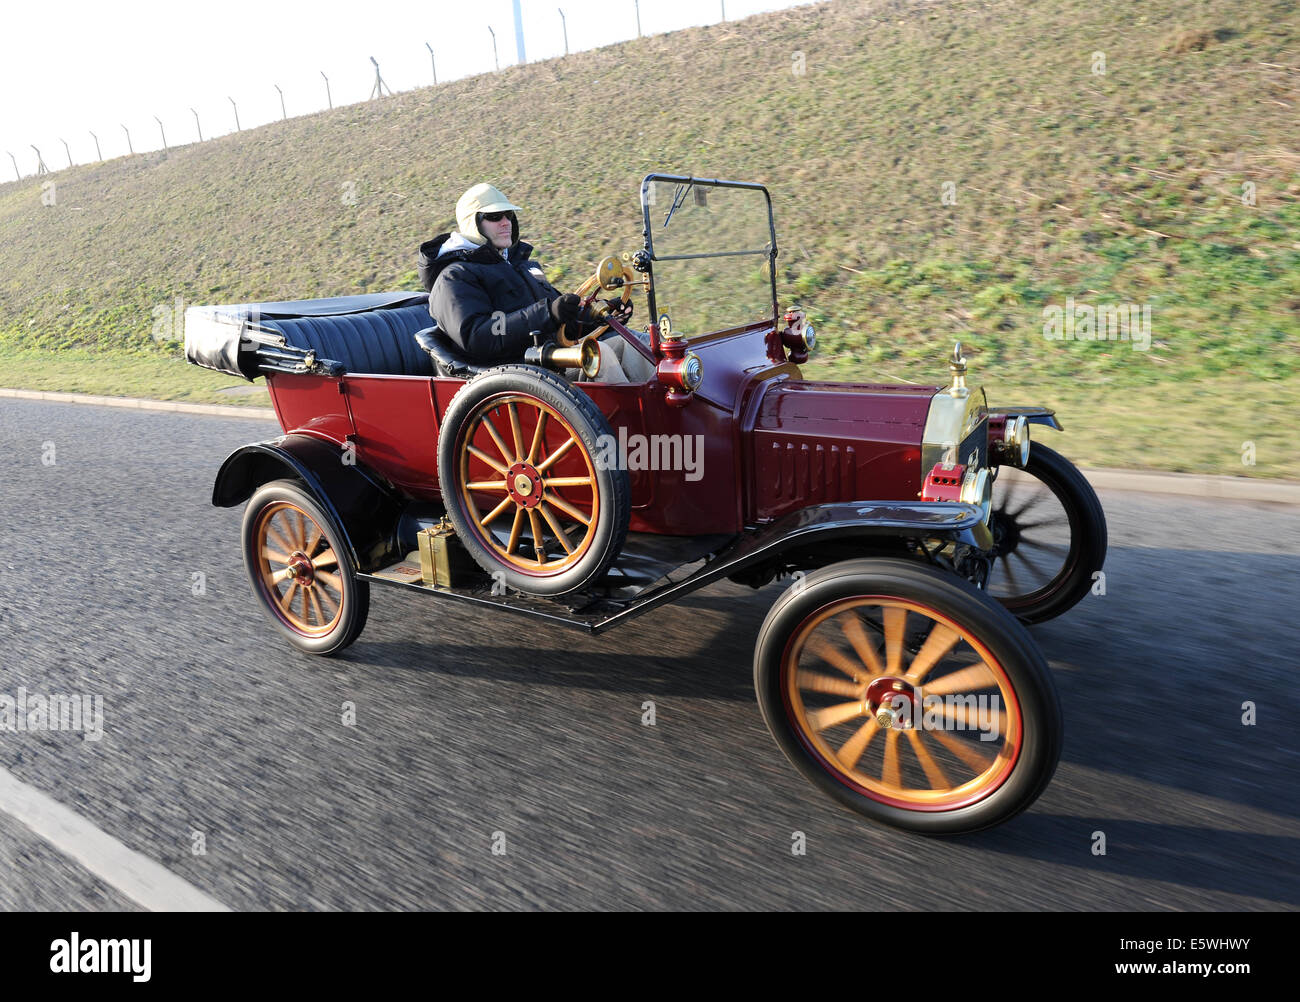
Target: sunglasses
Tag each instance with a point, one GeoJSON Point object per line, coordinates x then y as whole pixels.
{"type": "Point", "coordinates": [496, 217]}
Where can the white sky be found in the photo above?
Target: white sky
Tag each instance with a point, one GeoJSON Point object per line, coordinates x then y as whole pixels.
{"type": "Point", "coordinates": [70, 68]}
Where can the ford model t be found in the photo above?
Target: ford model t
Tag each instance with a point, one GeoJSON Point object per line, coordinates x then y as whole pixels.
{"type": "Point", "coordinates": [916, 528]}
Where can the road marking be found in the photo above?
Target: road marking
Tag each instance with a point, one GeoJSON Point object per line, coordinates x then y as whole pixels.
{"type": "Point", "coordinates": [141, 879]}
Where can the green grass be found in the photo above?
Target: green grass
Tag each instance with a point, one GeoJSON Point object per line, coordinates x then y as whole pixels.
{"type": "Point", "coordinates": [118, 374]}
{"type": "Point", "coordinates": [1129, 187]}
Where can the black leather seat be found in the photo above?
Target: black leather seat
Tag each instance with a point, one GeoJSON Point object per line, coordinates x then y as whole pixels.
{"type": "Point", "coordinates": [374, 341]}
{"type": "Point", "coordinates": [446, 354]}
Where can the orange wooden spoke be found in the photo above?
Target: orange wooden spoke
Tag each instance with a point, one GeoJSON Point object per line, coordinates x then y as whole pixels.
{"type": "Point", "coordinates": [550, 460]}
{"type": "Point", "coordinates": [865, 647]}
{"type": "Point", "coordinates": [560, 534]}
{"type": "Point", "coordinates": [851, 751]}
{"type": "Point", "coordinates": [498, 510]}
{"type": "Point", "coordinates": [482, 456]}
{"type": "Point", "coordinates": [487, 485]}
{"type": "Point", "coordinates": [830, 685]}
{"type": "Point", "coordinates": [286, 600]}
{"type": "Point", "coordinates": [330, 580]}
{"type": "Point", "coordinates": [535, 526]}
{"type": "Point", "coordinates": [568, 509]}
{"type": "Point", "coordinates": [891, 774]}
{"type": "Point", "coordinates": [315, 604]}
{"type": "Point", "coordinates": [895, 620]}
{"type": "Point", "coordinates": [972, 756]}
{"type": "Point", "coordinates": [936, 647]}
{"type": "Point", "coordinates": [972, 678]}
{"type": "Point", "coordinates": [327, 600]}
{"type": "Point", "coordinates": [313, 539]}
{"type": "Point", "coordinates": [933, 771]}
{"type": "Point", "coordinates": [829, 716]}
{"type": "Point", "coordinates": [514, 430]}
{"type": "Point", "coordinates": [496, 437]}
{"type": "Point", "coordinates": [300, 530]}
{"type": "Point", "coordinates": [821, 649]}
{"type": "Point", "coordinates": [539, 437]}
{"type": "Point", "coordinates": [274, 534]}
{"type": "Point", "coordinates": [514, 531]}
{"type": "Point", "coordinates": [269, 554]}
{"type": "Point", "coordinates": [968, 718]}
{"type": "Point", "coordinates": [569, 482]}
{"type": "Point", "coordinates": [327, 558]}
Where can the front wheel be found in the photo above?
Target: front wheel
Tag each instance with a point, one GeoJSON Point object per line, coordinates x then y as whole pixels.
{"type": "Point", "coordinates": [908, 696]}
{"type": "Point", "coordinates": [1049, 535]}
{"type": "Point", "coordinates": [300, 570]}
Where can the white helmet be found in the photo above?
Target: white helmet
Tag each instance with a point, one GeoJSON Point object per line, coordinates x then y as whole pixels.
{"type": "Point", "coordinates": [479, 199]}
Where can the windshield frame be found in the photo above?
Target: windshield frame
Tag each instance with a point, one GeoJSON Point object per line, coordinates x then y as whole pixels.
{"type": "Point", "coordinates": [770, 251]}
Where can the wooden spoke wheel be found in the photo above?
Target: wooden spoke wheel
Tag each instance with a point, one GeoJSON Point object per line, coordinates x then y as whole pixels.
{"type": "Point", "coordinates": [1049, 536]}
{"type": "Point", "coordinates": [521, 472]}
{"type": "Point", "coordinates": [908, 695]}
{"type": "Point", "coordinates": [304, 581]}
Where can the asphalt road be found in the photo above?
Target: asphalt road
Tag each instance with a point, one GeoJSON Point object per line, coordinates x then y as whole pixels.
{"type": "Point", "coordinates": [468, 724]}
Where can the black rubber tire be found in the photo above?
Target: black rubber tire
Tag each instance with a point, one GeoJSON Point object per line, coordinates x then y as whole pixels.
{"type": "Point", "coordinates": [996, 629]}
{"type": "Point", "coordinates": [613, 485]}
{"type": "Point", "coordinates": [355, 592]}
{"type": "Point", "coordinates": [1087, 549]}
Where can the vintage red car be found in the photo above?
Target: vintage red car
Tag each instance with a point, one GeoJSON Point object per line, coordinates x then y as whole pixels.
{"type": "Point", "coordinates": [918, 529]}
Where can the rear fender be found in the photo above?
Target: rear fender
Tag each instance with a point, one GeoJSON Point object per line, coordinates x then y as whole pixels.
{"type": "Point", "coordinates": [362, 506]}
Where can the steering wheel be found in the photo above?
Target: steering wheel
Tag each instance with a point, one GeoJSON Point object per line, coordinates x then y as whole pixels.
{"type": "Point", "coordinates": [612, 275]}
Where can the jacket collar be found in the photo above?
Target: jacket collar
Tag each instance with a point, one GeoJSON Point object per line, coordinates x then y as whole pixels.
{"type": "Point", "coordinates": [433, 250]}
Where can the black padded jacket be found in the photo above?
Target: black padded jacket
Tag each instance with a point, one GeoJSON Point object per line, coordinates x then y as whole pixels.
{"type": "Point", "coordinates": [486, 304]}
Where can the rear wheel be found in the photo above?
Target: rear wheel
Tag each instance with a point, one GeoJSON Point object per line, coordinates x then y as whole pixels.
{"type": "Point", "coordinates": [300, 570]}
{"type": "Point", "coordinates": [908, 696]}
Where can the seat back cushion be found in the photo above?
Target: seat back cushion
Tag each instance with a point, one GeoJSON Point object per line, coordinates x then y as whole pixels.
{"type": "Point", "coordinates": [376, 341]}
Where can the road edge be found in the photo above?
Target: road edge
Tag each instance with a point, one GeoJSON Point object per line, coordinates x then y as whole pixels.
{"type": "Point", "coordinates": [142, 404]}
{"type": "Point", "coordinates": [1145, 481]}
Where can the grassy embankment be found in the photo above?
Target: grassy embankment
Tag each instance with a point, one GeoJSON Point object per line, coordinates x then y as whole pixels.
{"type": "Point", "coordinates": [1172, 180]}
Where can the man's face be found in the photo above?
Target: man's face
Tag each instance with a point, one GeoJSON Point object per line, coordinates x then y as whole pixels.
{"type": "Point", "coordinates": [498, 232]}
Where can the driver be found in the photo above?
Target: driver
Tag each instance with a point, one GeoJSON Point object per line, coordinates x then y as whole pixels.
{"type": "Point", "coordinates": [487, 295]}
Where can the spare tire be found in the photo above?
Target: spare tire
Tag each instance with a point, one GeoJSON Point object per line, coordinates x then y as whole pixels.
{"type": "Point", "coordinates": [520, 466]}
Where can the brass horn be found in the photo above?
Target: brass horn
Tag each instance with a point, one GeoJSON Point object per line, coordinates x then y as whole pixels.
{"type": "Point", "coordinates": [584, 355]}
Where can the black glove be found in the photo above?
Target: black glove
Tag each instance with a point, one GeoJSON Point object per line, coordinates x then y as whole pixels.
{"type": "Point", "coordinates": [619, 310]}
{"type": "Point", "coordinates": [565, 310]}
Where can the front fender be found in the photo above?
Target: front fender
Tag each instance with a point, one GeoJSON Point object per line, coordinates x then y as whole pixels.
{"type": "Point", "coordinates": [957, 522]}
{"type": "Point", "coordinates": [1033, 414]}
{"type": "Point", "coordinates": [362, 506]}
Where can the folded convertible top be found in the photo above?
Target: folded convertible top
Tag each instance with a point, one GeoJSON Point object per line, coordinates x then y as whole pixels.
{"type": "Point", "coordinates": [226, 338]}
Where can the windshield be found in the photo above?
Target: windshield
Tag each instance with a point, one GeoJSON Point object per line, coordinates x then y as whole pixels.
{"type": "Point", "coordinates": [712, 243]}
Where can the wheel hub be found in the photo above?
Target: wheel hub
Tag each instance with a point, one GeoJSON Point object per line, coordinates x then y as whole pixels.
{"type": "Point", "coordinates": [301, 569]}
{"type": "Point", "coordinates": [1006, 533]}
{"type": "Point", "coordinates": [524, 484]}
{"type": "Point", "coordinates": [882, 701]}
